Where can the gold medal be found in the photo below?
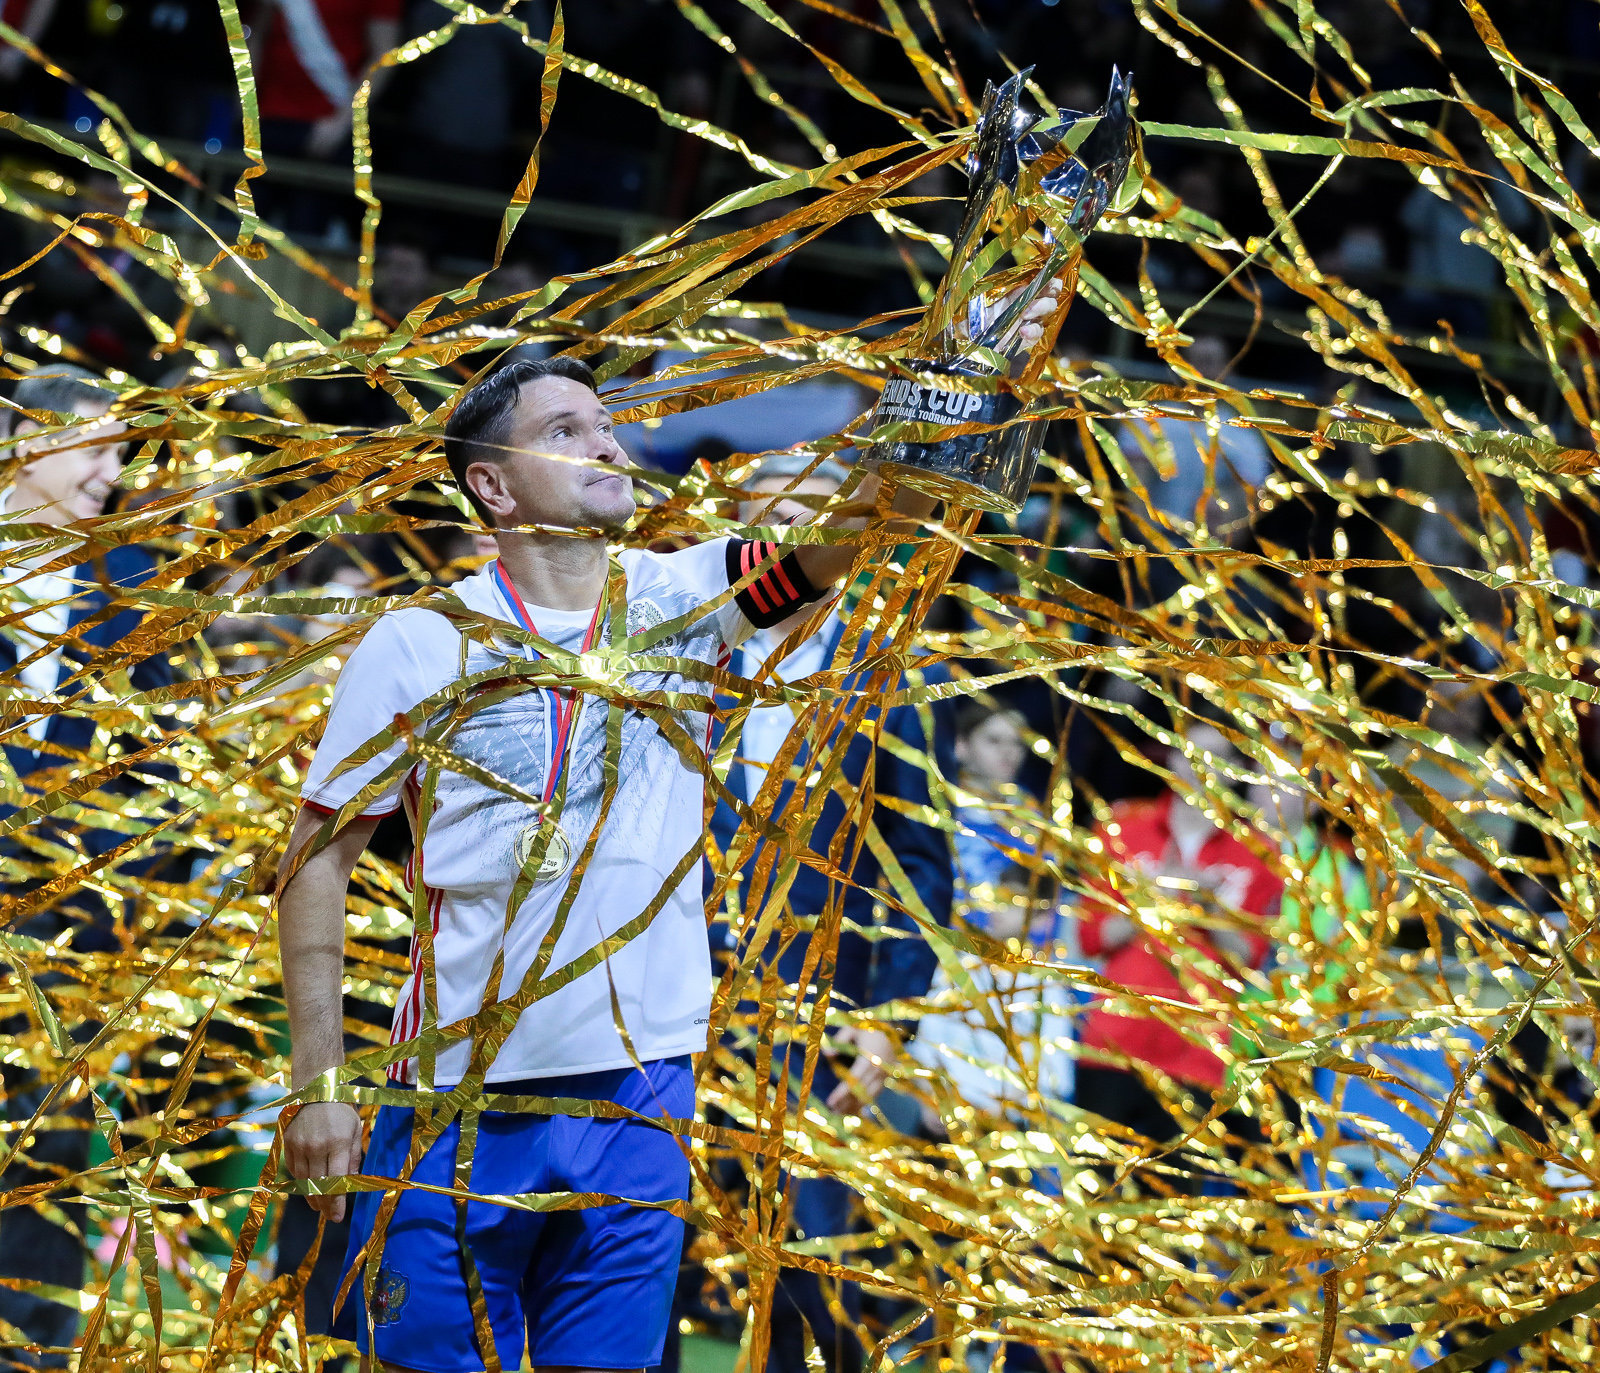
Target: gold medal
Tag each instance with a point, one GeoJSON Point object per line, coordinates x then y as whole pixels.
{"type": "Point", "coordinates": [563, 707]}
{"type": "Point", "coordinates": [558, 851]}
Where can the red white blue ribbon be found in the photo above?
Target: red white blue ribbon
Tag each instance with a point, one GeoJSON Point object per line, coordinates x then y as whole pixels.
{"type": "Point", "coordinates": [561, 704]}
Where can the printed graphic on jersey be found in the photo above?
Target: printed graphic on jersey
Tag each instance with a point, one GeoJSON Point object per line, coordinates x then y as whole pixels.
{"type": "Point", "coordinates": [643, 616]}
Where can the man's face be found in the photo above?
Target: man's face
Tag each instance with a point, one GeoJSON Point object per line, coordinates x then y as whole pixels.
{"type": "Point", "coordinates": [994, 750]}
{"type": "Point", "coordinates": [563, 467]}
{"type": "Point", "coordinates": [762, 508]}
{"type": "Point", "coordinates": [403, 278]}
{"type": "Point", "coordinates": [67, 475]}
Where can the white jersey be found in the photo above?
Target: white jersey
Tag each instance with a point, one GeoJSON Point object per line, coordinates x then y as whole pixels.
{"type": "Point", "coordinates": [659, 980]}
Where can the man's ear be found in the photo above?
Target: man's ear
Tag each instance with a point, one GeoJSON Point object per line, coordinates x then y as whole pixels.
{"type": "Point", "coordinates": [20, 430]}
{"type": "Point", "coordinates": [487, 482]}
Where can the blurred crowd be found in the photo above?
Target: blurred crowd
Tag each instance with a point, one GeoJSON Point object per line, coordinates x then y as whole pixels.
{"type": "Point", "coordinates": [1021, 755]}
{"type": "Point", "coordinates": [459, 119]}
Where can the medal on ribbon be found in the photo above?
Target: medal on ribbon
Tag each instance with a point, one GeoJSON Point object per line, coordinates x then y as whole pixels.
{"type": "Point", "coordinates": [557, 856]}
{"type": "Point", "coordinates": [542, 839]}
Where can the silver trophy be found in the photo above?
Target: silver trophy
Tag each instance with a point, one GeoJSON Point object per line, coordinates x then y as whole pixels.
{"type": "Point", "coordinates": [1037, 186]}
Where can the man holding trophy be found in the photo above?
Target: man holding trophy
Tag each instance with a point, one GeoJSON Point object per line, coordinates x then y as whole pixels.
{"type": "Point", "coordinates": [560, 949]}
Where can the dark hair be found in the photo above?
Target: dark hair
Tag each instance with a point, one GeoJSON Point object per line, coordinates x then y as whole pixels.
{"type": "Point", "coordinates": [479, 429]}
{"type": "Point", "coordinates": [1041, 882]}
{"type": "Point", "coordinates": [974, 715]}
{"type": "Point", "coordinates": [59, 388]}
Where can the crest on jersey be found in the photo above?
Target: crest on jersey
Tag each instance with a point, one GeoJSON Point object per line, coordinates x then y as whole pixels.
{"type": "Point", "coordinates": [643, 616]}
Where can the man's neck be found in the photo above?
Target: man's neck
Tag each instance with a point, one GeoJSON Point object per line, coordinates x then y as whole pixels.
{"type": "Point", "coordinates": [49, 515]}
{"type": "Point", "coordinates": [560, 573]}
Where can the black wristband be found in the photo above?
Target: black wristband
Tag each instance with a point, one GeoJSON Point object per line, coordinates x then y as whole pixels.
{"type": "Point", "coordinates": [774, 595]}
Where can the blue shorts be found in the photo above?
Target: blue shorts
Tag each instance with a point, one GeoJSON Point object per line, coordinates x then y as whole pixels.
{"type": "Point", "coordinates": [586, 1288]}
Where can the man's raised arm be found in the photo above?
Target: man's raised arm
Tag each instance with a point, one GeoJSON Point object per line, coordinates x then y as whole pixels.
{"type": "Point", "coordinates": [324, 1138]}
{"type": "Point", "coordinates": [825, 563]}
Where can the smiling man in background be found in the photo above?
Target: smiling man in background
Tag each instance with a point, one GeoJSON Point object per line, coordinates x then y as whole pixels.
{"type": "Point", "coordinates": [54, 622]}
{"type": "Point", "coordinates": [882, 956]}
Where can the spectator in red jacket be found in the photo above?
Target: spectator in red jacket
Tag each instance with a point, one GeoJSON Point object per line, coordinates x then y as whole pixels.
{"type": "Point", "coordinates": [1170, 850]}
{"type": "Point", "coordinates": [310, 58]}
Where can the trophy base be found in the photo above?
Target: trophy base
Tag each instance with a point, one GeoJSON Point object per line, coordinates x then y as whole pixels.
{"type": "Point", "coordinates": [986, 469]}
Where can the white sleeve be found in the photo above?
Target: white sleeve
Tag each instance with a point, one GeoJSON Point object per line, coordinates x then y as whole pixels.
{"type": "Point", "coordinates": [708, 569]}
{"type": "Point", "coordinates": [383, 678]}
{"type": "Point", "coordinates": [962, 1051]}
{"type": "Point", "coordinates": [701, 570]}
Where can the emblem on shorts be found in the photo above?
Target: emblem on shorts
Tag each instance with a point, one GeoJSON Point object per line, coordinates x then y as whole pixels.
{"type": "Point", "coordinates": [389, 1296]}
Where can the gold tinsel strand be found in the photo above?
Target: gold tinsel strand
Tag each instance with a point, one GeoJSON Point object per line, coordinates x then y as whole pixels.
{"type": "Point", "coordinates": [1284, 1262]}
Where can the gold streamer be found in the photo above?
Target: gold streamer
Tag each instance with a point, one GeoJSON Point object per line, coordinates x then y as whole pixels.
{"type": "Point", "coordinates": [1325, 1240]}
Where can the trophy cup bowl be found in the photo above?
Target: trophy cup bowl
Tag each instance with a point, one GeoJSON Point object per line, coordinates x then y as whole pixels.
{"type": "Point", "coordinates": [989, 466]}
{"type": "Point", "coordinates": [949, 423]}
